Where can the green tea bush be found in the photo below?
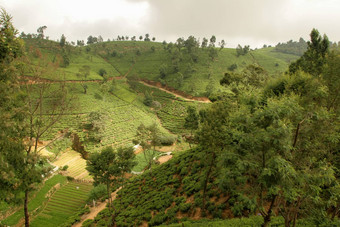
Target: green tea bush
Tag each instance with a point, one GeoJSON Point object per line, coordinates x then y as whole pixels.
{"type": "Point", "coordinates": [158, 219]}
{"type": "Point", "coordinates": [185, 207]}
{"type": "Point", "coordinates": [167, 140]}
{"type": "Point", "coordinates": [88, 223]}
{"type": "Point", "coordinates": [97, 193]}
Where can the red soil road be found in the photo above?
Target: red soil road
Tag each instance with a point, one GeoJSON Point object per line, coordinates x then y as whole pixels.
{"type": "Point", "coordinates": [175, 92]}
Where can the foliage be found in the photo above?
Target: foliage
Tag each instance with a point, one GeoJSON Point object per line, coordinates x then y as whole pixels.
{"type": "Point", "coordinates": [11, 113]}
{"type": "Point", "coordinates": [314, 58]}
{"type": "Point", "coordinates": [292, 47]}
{"type": "Point", "coordinates": [242, 50]}
{"type": "Point", "coordinates": [108, 167]}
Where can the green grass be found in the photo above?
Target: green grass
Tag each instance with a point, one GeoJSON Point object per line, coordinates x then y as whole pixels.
{"type": "Point", "coordinates": [37, 202]}
{"type": "Point", "coordinates": [141, 161]}
{"type": "Point", "coordinates": [64, 203]}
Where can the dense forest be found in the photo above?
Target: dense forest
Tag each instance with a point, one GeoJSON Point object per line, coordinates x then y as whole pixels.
{"type": "Point", "coordinates": [134, 132]}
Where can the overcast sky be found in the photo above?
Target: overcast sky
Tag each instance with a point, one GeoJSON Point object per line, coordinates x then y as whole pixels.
{"type": "Point", "coordinates": [245, 22]}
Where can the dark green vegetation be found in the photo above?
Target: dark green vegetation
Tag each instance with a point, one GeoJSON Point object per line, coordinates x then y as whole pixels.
{"type": "Point", "coordinates": [266, 148]}
{"type": "Point", "coordinates": [63, 205]}
{"type": "Point", "coordinates": [38, 202]}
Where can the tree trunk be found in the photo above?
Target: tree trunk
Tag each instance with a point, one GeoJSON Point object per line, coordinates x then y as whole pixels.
{"type": "Point", "coordinates": [267, 217]}
{"type": "Point", "coordinates": [108, 194]}
{"type": "Point", "coordinates": [27, 218]}
{"type": "Point", "coordinates": [287, 222]}
{"type": "Point", "coordinates": [207, 179]}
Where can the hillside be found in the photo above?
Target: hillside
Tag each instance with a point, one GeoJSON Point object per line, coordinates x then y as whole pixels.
{"type": "Point", "coordinates": [239, 131]}
{"type": "Point", "coordinates": [140, 59]}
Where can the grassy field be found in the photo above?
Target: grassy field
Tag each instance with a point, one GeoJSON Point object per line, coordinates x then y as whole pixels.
{"type": "Point", "coordinates": [76, 165]}
{"type": "Point", "coordinates": [65, 202]}
{"type": "Point", "coordinates": [38, 201]}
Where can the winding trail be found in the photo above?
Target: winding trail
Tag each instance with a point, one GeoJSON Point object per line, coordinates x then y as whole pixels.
{"type": "Point", "coordinates": [95, 210]}
{"type": "Point", "coordinates": [194, 99]}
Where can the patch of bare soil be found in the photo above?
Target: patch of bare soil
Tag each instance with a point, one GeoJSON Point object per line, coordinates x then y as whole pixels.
{"type": "Point", "coordinates": [163, 159]}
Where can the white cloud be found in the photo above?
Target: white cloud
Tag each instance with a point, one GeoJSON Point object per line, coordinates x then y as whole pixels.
{"type": "Point", "coordinates": [253, 22]}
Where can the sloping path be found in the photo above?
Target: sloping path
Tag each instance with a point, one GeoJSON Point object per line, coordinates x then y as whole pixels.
{"type": "Point", "coordinates": [206, 100]}
{"type": "Point", "coordinates": [95, 210]}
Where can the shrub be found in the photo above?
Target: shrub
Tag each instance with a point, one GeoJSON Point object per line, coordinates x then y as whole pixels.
{"type": "Point", "coordinates": [148, 99]}
{"type": "Point", "coordinates": [158, 219]}
{"type": "Point", "coordinates": [98, 96]}
{"type": "Point", "coordinates": [65, 167]}
{"type": "Point", "coordinates": [88, 223]}
{"type": "Point", "coordinates": [167, 140]}
{"type": "Point", "coordinates": [232, 67]}
{"type": "Point", "coordinates": [184, 207]}
{"type": "Point", "coordinates": [97, 193]}
{"type": "Point", "coordinates": [69, 178]}
{"type": "Point", "coordinates": [102, 72]}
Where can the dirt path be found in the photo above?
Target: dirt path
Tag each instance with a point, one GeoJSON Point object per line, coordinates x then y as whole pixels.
{"type": "Point", "coordinates": [205, 100]}
{"type": "Point", "coordinates": [37, 80]}
{"type": "Point", "coordinates": [95, 210]}
{"type": "Point", "coordinates": [164, 159]}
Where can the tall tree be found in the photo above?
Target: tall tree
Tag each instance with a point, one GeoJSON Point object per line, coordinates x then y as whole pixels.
{"type": "Point", "coordinates": [313, 60]}
{"type": "Point", "coordinates": [62, 40]}
{"type": "Point", "coordinates": [191, 121]}
{"type": "Point", "coordinates": [41, 30]}
{"type": "Point", "coordinates": [12, 126]}
{"type": "Point", "coordinates": [212, 41]}
{"type": "Point", "coordinates": [148, 137]}
{"type": "Point", "coordinates": [147, 37]}
{"type": "Point", "coordinates": [46, 103]}
{"type": "Point", "coordinates": [83, 73]}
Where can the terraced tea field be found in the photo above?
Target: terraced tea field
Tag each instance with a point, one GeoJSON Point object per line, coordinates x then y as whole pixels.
{"type": "Point", "coordinates": [76, 165]}
{"type": "Point", "coordinates": [64, 203]}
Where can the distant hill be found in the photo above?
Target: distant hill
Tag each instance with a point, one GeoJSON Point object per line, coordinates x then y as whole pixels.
{"type": "Point", "coordinates": [194, 73]}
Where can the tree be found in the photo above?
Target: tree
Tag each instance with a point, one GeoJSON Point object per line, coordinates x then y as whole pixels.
{"type": "Point", "coordinates": [213, 138]}
{"type": "Point", "coordinates": [80, 43]}
{"type": "Point", "coordinates": [12, 125]}
{"type": "Point", "coordinates": [102, 72]}
{"type": "Point", "coordinates": [100, 39]}
{"type": "Point", "coordinates": [275, 143]}
{"type": "Point", "coordinates": [83, 73]}
{"type": "Point", "coordinates": [191, 44]}
{"type": "Point", "coordinates": [62, 40]}
{"type": "Point", "coordinates": [153, 39]}
{"type": "Point", "coordinates": [204, 43]}
{"type": "Point", "coordinates": [313, 60]}
{"type": "Point", "coordinates": [222, 44]}
{"type": "Point", "coordinates": [242, 51]}
{"type": "Point", "coordinates": [95, 126]}
{"type": "Point", "coordinates": [36, 110]}
{"type": "Point", "coordinates": [147, 37]}
{"type": "Point", "coordinates": [179, 43]}
{"type": "Point", "coordinates": [91, 39]}
{"type": "Point", "coordinates": [40, 31]}
{"type": "Point", "coordinates": [148, 137]}
{"type": "Point", "coordinates": [46, 103]}
{"type": "Point", "coordinates": [191, 120]}
{"type": "Point", "coordinates": [212, 41]}
{"type": "Point", "coordinates": [140, 38]}
{"type": "Point", "coordinates": [148, 99]}
{"type": "Point", "coordinates": [212, 53]}
{"type": "Point", "coordinates": [108, 167]}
